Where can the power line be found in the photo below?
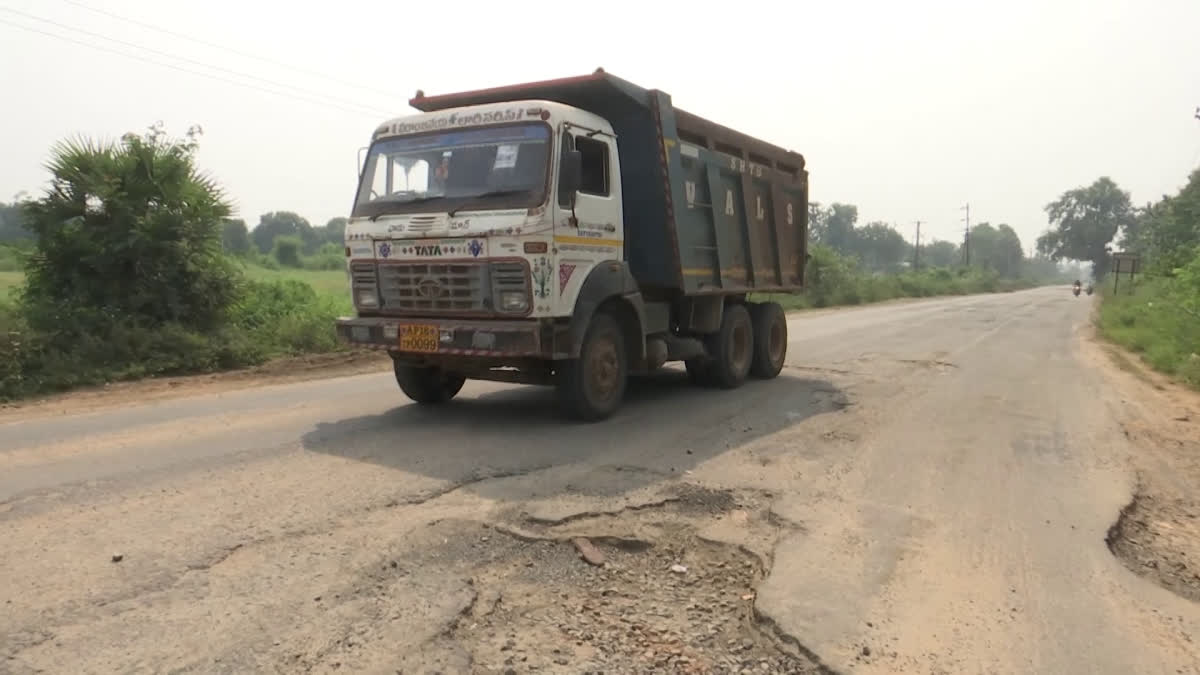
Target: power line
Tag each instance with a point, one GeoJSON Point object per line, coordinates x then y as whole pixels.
{"type": "Point", "coordinates": [184, 59]}
{"type": "Point", "coordinates": [181, 69]}
{"type": "Point", "coordinates": [231, 50]}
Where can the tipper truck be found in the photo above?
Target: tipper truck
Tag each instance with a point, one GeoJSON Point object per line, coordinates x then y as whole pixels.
{"type": "Point", "coordinates": [572, 232]}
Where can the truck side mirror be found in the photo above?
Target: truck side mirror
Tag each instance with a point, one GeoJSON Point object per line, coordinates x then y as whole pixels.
{"type": "Point", "coordinates": [570, 176]}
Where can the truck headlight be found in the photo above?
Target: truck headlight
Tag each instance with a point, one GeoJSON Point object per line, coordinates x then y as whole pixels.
{"type": "Point", "coordinates": [367, 297]}
{"type": "Point", "coordinates": [513, 301]}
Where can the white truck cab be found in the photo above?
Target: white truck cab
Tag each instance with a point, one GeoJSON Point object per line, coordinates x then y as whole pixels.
{"type": "Point", "coordinates": [476, 186]}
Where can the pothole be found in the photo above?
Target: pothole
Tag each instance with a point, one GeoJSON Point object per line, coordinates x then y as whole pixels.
{"type": "Point", "coordinates": [1159, 538]}
{"type": "Point", "coordinates": [678, 604]}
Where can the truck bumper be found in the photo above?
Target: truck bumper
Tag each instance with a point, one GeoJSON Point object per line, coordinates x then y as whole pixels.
{"type": "Point", "coordinates": [504, 339]}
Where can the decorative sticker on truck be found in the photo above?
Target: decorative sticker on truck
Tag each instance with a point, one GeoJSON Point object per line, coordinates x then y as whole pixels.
{"type": "Point", "coordinates": [564, 275]}
{"type": "Point", "coordinates": [541, 277]}
{"type": "Point", "coordinates": [431, 248]}
{"type": "Point", "coordinates": [456, 120]}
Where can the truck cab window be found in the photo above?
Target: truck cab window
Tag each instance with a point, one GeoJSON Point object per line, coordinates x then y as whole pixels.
{"type": "Point", "coordinates": [595, 166]}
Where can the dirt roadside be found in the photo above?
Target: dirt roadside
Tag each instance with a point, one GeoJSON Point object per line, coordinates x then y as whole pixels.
{"type": "Point", "coordinates": [1158, 533]}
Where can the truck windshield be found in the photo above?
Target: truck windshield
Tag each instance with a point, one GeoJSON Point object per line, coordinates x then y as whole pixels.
{"type": "Point", "coordinates": [496, 167]}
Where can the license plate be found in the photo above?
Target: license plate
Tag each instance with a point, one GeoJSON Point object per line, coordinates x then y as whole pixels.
{"type": "Point", "coordinates": [419, 339]}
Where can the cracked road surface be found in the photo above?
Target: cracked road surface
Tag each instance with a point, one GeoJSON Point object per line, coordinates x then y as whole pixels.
{"type": "Point", "coordinates": [926, 489]}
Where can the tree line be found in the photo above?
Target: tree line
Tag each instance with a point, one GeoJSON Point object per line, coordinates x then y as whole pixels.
{"type": "Point", "coordinates": [1159, 315]}
{"type": "Point", "coordinates": [880, 248]}
{"type": "Point", "coordinates": [1089, 223]}
{"type": "Point", "coordinates": [281, 238]}
{"type": "Point", "coordinates": [287, 239]}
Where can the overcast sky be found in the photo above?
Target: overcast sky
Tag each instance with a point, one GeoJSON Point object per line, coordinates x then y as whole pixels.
{"type": "Point", "coordinates": [907, 109]}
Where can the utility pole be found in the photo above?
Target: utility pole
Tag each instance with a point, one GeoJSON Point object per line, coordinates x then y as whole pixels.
{"type": "Point", "coordinates": [917, 248]}
{"type": "Point", "coordinates": [967, 237]}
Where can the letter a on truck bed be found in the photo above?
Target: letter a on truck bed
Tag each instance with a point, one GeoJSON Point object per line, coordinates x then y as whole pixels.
{"type": "Point", "coordinates": [707, 210]}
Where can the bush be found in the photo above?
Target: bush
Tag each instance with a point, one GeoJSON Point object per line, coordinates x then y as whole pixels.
{"type": "Point", "coordinates": [131, 232]}
{"type": "Point", "coordinates": [287, 251]}
{"type": "Point", "coordinates": [328, 257]}
{"type": "Point", "coordinates": [269, 320]}
{"type": "Point", "coordinates": [286, 317]}
{"type": "Point", "coordinates": [1160, 320]}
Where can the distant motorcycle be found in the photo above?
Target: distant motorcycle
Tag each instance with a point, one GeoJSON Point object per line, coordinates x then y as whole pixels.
{"type": "Point", "coordinates": [1075, 289]}
{"type": "Point", "coordinates": [1089, 289]}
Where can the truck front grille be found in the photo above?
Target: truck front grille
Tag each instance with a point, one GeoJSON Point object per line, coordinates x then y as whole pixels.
{"type": "Point", "coordinates": [442, 288]}
{"type": "Point", "coordinates": [509, 276]}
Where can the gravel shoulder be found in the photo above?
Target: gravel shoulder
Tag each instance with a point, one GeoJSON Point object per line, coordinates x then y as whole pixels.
{"type": "Point", "coordinates": [1157, 535]}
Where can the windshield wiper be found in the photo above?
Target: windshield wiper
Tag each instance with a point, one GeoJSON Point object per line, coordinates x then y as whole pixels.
{"type": "Point", "coordinates": [484, 195]}
{"type": "Point", "coordinates": [405, 202]}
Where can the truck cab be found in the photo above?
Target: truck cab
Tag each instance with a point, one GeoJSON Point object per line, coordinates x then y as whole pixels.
{"type": "Point", "coordinates": [488, 241]}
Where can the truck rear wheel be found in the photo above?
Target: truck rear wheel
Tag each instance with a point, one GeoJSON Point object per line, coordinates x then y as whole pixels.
{"type": "Point", "coordinates": [591, 387]}
{"type": "Point", "coordinates": [732, 348]}
{"type": "Point", "coordinates": [770, 339]}
{"type": "Point", "coordinates": [428, 386]}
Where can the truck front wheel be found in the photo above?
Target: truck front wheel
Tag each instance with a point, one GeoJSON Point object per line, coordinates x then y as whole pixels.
{"type": "Point", "coordinates": [428, 386]}
{"type": "Point", "coordinates": [731, 348]}
{"type": "Point", "coordinates": [770, 339]}
{"type": "Point", "coordinates": [591, 387]}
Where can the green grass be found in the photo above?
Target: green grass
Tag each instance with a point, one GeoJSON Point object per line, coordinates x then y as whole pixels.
{"type": "Point", "coordinates": [1150, 322]}
{"type": "Point", "coordinates": [323, 281]}
{"type": "Point", "coordinates": [9, 281]}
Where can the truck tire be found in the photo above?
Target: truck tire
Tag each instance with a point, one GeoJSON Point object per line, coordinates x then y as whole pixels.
{"type": "Point", "coordinates": [770, 339]}
{"type": "Point", "coordinates": [591, 387]}
{"type": "Point", "coordinates": [427, 386]}
{"type": "Point", "coordinates": [731, 348]}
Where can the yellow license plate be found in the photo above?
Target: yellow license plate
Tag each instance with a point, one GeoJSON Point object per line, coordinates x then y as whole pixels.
{"type": "Point", "coordinates": [419, 339]}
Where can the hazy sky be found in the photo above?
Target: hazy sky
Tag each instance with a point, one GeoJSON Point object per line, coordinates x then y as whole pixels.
{"type": "Point", "coordinates": [907, 109]}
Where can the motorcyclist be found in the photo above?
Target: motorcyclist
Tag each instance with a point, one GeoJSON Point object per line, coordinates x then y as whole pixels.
{"type": "Point", "coordinates": [1076, 287]}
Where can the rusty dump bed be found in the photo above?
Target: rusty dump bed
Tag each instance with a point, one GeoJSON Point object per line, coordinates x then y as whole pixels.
{"type": "Point", "coordinates": [707, 209]}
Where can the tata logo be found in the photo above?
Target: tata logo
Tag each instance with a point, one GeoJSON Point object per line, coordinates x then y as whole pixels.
{"type": "Point", "coordinates": [427, 250]}
{"type": "Point", "coordinates": [430, 288]}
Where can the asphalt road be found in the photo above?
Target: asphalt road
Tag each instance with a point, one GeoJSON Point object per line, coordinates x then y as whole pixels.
{"type": "Point", "coordinates": [935, 481]}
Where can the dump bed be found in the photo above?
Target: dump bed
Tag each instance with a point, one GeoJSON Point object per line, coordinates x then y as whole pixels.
{"type": "Point", "coordinates": [707, 209]}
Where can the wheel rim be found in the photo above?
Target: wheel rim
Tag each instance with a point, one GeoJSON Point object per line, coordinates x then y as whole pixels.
{"type": "Point", "coordinates": [775, 341]}
{"type": "Point", "coordinates": [604, 369]}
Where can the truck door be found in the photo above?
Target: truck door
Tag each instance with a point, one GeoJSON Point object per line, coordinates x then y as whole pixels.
{"type": "Point", "coordinates": [594, 233]}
